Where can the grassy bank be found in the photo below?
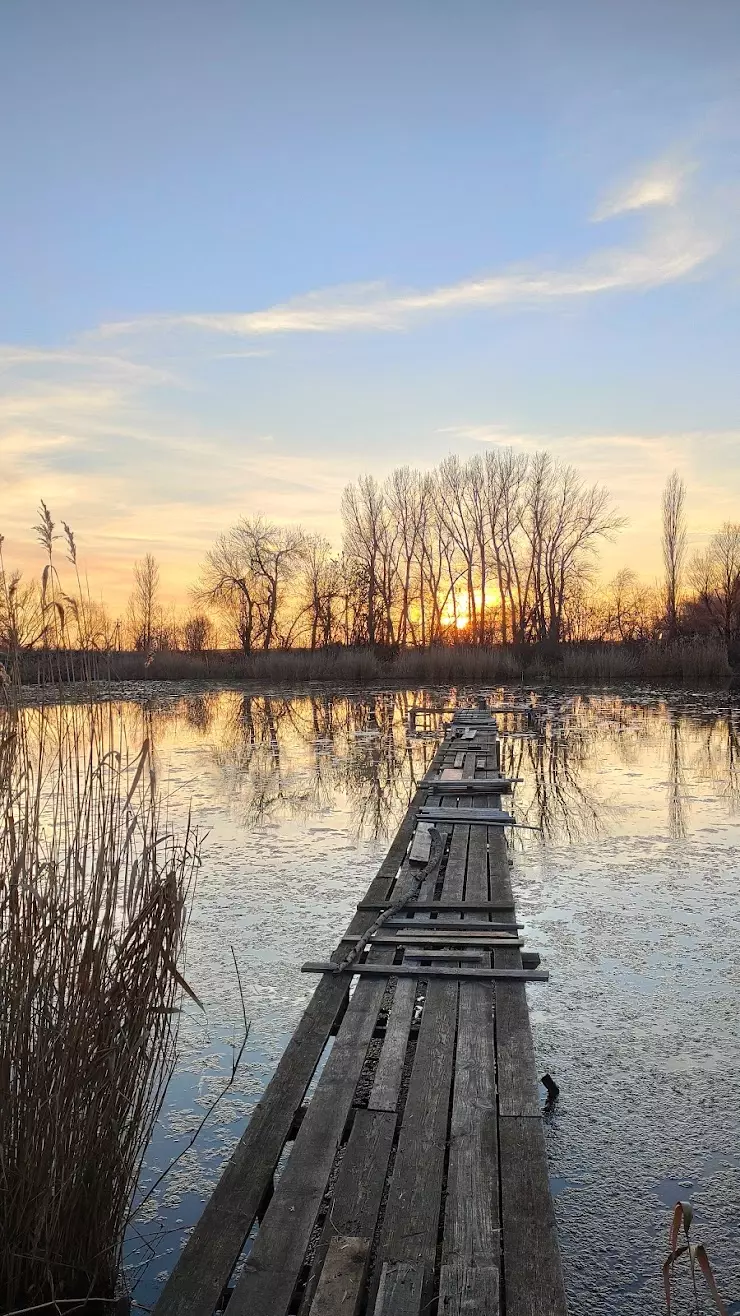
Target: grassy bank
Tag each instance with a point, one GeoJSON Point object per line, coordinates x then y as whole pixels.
{"type": "Point", "coordinates": [684, 661]}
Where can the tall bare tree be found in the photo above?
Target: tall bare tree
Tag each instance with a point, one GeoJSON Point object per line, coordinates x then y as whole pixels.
{"type": "Point", "coordinates": [144, 607]}
{"type": "Point", "coordinates": [715, 575]}
{"type": "Point", "coordinates": [674, 546]}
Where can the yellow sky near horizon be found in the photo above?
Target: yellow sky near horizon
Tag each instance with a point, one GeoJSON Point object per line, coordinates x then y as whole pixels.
{"type": "Point", "coordinates": [113, 528]}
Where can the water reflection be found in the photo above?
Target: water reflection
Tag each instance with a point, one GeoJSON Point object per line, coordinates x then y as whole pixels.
{"type": "Point", "coordinates": [298, 756]}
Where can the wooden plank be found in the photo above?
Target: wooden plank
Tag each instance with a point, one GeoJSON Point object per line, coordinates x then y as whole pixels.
{"type": "Point", "coordinates": [402, 971]}
{"type": "Point", "coordinates": [271, 1272]}
{"type": "Point", "coordinates": [466, 814]}
{"type": "Point", "coordinates": [339, 1290]}
{"type": "Point", "coordinates": [421, 846]}
{"type": "Point", "coordinates": [469, 1290]}
{"type": "Point", "coordinates": [518, 1089]}
{"type": "Point", "coordinates": [400, 1289]}
{"type": "Point", "coordinates": [389, 1071]}
{"type": "Point", "coordinates": [428, 933]}
{"type": "Point", "coordinates": [469, 1275]}
{"type": "Point", "coordinates": [473, 785]}
{"type": "Point", "coordinates": [450, 925]}
{"type": "Point", "coordinates": [467, 906]}
{"type": "Point", "coordinates": [411, 1222]}
{"type": "Point", "coordinates": [358, 1190]}
{"type": "Point", "coordinates": [470, 733]}
{"type": "Point", "coordinates": [459, 760]}
{"type": "Point", "coordinates": [425, 951]}
{"type": "Point", "coordinates": [534, 1278]}
{"type": "Point", "coordinates": [447, 774]}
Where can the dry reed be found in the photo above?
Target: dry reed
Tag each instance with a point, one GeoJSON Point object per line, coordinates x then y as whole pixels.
{"type": "Point", "coordinates": [684, 660]}
{"type": "Point", "coordinates": [93, 902]}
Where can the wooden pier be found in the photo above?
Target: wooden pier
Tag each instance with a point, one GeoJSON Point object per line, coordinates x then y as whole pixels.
{"type": "Point", "coordinates": [414, 1180]}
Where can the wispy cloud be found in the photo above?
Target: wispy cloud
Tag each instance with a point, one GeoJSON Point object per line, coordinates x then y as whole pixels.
{"type": "Point", "coordinates": [662, 184]}
{"type": "Point", "coordinates": [668, 251]}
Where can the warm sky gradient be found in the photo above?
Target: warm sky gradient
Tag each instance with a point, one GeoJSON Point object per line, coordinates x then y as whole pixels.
{"type": "Point", "coordinates": [249, 250]}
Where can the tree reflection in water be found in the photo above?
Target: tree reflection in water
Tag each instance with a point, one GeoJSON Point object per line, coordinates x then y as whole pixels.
{"type": "Point", "coordinates": [299, 755]}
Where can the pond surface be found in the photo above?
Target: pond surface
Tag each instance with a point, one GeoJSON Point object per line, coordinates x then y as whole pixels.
{"type": "Point", "coordinates": [629, 893]}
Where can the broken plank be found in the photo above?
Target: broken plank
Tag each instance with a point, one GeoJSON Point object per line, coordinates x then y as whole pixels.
{"type": "Point", "coordinates": [339, 1290]}
{"type": "Point", "coordinates": [402, 971]}
{"type": "Point", "coordinates": [421, 846]}
{"type": "Point", "coordinates": [400, 1289]}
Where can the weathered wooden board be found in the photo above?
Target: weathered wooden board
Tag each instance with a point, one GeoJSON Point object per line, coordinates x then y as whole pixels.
{"type": "Point", "coordinates": [406, 971]}
{"type": "Point", "coordinates": [465, 814]}
{"type": "Point", "coordinates": [339, 1290]}
{"type": "Point", "coordinates": [410, 1226]}
{"type": "Point", "coordinates": [389, 1071]}
{"type": "Point", "coordinates": [473, 785]}
{"type": "Point", "coordinates": [446, 775]}
{"type": "Point", "coordinates": [425, 951]}
{"type": "Point", "coordinates": [469, 906]}
{"type": "Point", "coordinates": [400, 1290]}
{"type": "Point", "coordinates": [451, 925]}
{"type": "Point", "coordinates": [214, 1245]}
{"type": "Point", "coordinates": [428, 933]}
{"type": "Point", "coordinates": [534, 1278]}
{"type": "Point", "coordinates": [421, 846]}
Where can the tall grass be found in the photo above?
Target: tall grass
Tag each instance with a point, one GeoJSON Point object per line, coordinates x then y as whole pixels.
{"type": "Point", "coordinates": [682, 660]}
{"type": "Point", "coordinates": [93, 902]}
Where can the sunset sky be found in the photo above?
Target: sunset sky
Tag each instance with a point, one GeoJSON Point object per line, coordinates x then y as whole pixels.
{"type": "Point", "coordinates": [250, 250]}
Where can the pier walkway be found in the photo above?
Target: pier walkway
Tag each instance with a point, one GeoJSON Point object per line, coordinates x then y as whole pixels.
{"type": "Point", "coordinates": [413, 1178]}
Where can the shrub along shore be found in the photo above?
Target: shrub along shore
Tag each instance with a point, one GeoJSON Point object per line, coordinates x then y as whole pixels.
{"type": "Point", "coordinates": [691, 660]}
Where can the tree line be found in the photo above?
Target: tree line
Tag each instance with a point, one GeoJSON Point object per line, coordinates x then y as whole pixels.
{"type": "Point", "coordinates": [502, 548]}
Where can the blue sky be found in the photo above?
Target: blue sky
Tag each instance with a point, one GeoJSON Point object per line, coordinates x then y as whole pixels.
{"type": "Point", "coordinates": [248, 251]}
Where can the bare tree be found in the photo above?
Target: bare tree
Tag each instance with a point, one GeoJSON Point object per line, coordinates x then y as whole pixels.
{"type": "Point", "coordinates": [715, 575]}
{"type": "Point", "coordinates": [674, 546]}
{"type": "Point", "coordinates": [363, 514]}
{"type": "Point", "coordinates": [248, 573]}
{"type": "Point", "coordinates": [197, 633]}
{"type": "Point", "coordinates": [144, 607]}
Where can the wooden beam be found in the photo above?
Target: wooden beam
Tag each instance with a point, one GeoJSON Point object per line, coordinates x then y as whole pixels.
{"type": "Point", "coordinates": [451, 925]}
{"type": "Point", "coordinates": [401, 971]}
{"type": "Point", "coordinates": [487, 817]}
{"type": "Point", "coordinates": [465, 906]}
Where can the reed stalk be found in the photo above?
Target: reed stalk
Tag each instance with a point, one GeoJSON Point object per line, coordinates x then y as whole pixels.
{"type": "Point", "coordinates": [94, 894]}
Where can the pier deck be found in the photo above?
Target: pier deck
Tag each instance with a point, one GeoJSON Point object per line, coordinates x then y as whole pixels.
{"type": "Point", "coordinates": [414, 1180]}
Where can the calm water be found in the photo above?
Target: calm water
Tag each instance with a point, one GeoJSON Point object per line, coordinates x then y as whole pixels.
{"type": "Point", "coordinates": [630, 893]}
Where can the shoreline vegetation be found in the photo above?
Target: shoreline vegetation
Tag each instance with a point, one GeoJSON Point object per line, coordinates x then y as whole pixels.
{"type": "Point", "coordinates": [682, 660]}
{"type": "Point", "coordinates": [95, 892]}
